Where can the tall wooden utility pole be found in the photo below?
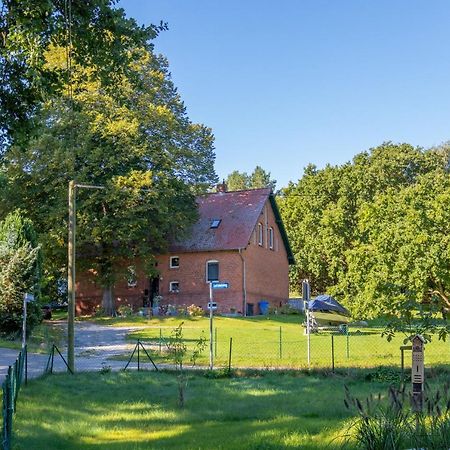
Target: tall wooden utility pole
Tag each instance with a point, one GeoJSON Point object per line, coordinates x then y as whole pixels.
{"type": "Point", "coordinates": [71, 279]}
{"type": "Point", "coordinates": [71, 270]}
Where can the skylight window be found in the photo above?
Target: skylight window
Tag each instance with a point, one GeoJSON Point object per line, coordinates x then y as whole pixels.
{"type": "Point", "coordinates": [215, 223]}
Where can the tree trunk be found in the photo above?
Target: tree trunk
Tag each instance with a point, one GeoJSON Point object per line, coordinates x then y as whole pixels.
{"type": "Point", "coordinates": [445, 298]}
{"type": "Point", "coordinates": [108, 303]}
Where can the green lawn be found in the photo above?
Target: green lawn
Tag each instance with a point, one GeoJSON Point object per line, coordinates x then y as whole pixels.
{"type": "Point", "coordinates": [279, 341]}
{"type": "Point", "coordinates": [139, 410]}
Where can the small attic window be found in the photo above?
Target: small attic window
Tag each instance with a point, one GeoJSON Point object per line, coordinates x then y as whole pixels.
{"type": "Point", "coordinates": [215, 223]}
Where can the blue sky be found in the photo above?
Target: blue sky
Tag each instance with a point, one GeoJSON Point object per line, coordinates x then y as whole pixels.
{"type": "Point", "coordinates": [287, 83]}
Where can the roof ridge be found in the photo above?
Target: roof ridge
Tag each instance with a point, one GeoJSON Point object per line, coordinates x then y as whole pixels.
{"type": "Point", "coordinates": [234, 192]}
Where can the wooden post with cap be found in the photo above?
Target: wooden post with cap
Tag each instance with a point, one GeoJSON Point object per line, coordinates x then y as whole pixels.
{"type": "Point", "coordinates": [417, 371]}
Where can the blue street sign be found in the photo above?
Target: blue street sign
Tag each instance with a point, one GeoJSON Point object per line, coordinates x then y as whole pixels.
{"type": "Point", "coordinates": [29, 297]}
{"type": "Point", "coordinates": [217, 285]}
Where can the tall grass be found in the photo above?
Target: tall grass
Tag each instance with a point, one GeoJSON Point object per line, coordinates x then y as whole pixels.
{"type": "Point", "coordinates": [395, 421]}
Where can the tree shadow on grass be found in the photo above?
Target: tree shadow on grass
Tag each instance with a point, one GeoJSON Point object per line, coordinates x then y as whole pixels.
{"type": "Point", "coordinates": [260, 410]}
{"type": "Point", "coordinates": [121, 411]}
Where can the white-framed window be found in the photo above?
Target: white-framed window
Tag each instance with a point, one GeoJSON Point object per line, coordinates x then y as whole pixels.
{"type": "Point", "coordinates": [174, 286]}
{"type": "Point", "coordinates": [260, 235]}
{"type": "Point", "coordinates": [212, 270]}
{"type": "Point", "coordinates": [131, 276]}
{"type": "Point", "coordinates": [174, 262]}
{"type": "Point", "coordinates": [271, 246]}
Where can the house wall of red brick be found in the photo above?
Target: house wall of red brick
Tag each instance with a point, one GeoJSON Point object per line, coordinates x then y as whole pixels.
{"type": "Point", "coordinates": [193, 286]}
{"type": "Point", "coordinates": [89, 293]}
{"type": "Point", "coordinates": [267, 269]}
{"type": "Point", "coordinates": [266, 273]}
{"type": "Point", "coordinates": [266, 276]}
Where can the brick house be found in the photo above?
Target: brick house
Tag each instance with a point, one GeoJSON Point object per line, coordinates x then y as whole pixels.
{"type": "Point", "coordinates": [239, 238]}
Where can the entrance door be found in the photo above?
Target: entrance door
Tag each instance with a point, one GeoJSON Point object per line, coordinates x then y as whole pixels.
{"type": "Point", "coordinates": [154, 288]}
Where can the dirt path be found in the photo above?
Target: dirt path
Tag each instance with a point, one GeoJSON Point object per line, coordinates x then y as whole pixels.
{"type": "Point", "coordinates": [95, 345]}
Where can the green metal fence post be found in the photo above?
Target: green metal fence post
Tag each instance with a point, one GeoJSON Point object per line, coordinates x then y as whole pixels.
{"type": "Point", "coordinates": [10, 407]}
{"type": "Point", "coordinates": [160, 340]}
{"type": "Point", "coordinates": [138, 345]}
{"type": "Point", "coordinates": [26, 365]}
{"type": "Point", "coordinates": [332, 352]}
{"type": "Point", "coordinates": [281, 349]}
{"type": "Point", "coordinates": [348, 341]}
{"type": "Point", "coordinates": [5, 437]}
{"type": "Point", "coordinates": [53, 358]}
{"type": "Point", "coordinates": [229, 355]}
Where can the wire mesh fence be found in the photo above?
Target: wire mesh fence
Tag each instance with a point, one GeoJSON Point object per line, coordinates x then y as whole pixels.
{"type": "Point", "coordinates": [280, 347]}
{"type": "Point", "coordinates": [10, 390]}
{"type": "Point", "coordinates": [267, 347]}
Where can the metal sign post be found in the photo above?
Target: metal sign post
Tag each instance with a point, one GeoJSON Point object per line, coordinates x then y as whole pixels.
{"type": "Point", "coordinates": [27, 298]}
{"type": "Point", "coordinates": [417, 372]}
{"type": "Point", "coordinates": [211, 355]}
{"type": "Point", "coordinates": [211, 307]}
{"type": "Point", "coordinates": [306, 297]}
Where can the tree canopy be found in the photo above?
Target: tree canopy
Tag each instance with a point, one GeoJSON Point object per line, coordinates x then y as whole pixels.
{"type": "Point", "coordinates": [130, 134]}
{"type": "Point", "coordinates": [259, 178]}
{"type": "Point", "coordinates": [374, 231]}
{"type": "Point", "coordinates": [95, 34]}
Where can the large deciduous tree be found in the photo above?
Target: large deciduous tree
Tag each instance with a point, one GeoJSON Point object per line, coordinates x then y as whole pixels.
{"type": "Point", "coordinates": [374, 229]}
{"type": "Point", "coordinates": [137, 142]}
{"type": "Point", "coordinates": [404, 251]}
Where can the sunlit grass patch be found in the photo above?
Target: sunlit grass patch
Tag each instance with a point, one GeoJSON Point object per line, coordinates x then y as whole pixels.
{"type": "Point", "coordinates": [136, 435]}
{"type": "Point", "coordinates": [131, 410]}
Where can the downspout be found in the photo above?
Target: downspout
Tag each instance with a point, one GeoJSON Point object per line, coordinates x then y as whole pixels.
{"type": "Point", "coordinates": [244, 283]}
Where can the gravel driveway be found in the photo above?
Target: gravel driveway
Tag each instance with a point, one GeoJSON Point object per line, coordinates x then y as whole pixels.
{"type": "Point", "coordinates": [95, 345]}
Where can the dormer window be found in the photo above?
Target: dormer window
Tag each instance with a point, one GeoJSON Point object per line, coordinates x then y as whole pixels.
{"type": "Point", "coordinates": [215, 223]}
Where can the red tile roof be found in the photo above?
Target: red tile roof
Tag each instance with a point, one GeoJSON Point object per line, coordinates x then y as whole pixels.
{"type": "Point", "coordinates": [238, 211]}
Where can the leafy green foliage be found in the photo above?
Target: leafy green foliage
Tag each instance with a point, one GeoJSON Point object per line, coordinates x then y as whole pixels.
{"type": "Point", "coordinates": [178, 350]}
{"type": "Point", "coordinates": [259, 178]}
{"type": "Point", "coordinates": [374, 231]}
{"type": "Point", "coordinates": [20, 272]}
{"type": "Point", "coordinates": [411, 318]}
{"type": "Point", "coordinates": [100, 37]}
{"type": "Point", "coordinates": [138, 143]}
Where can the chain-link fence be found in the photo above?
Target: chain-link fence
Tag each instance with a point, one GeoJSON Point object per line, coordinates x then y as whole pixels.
{"type": "Point", "coordinates": [280, 347]}
{"type": "Point", "coordinates": [266, 347]}
{"type": "Point", "coordinates": [10, 389]}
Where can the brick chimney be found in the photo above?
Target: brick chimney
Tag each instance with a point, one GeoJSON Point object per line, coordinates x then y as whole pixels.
{"type": "Point", "coordinates": [222, 187]}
